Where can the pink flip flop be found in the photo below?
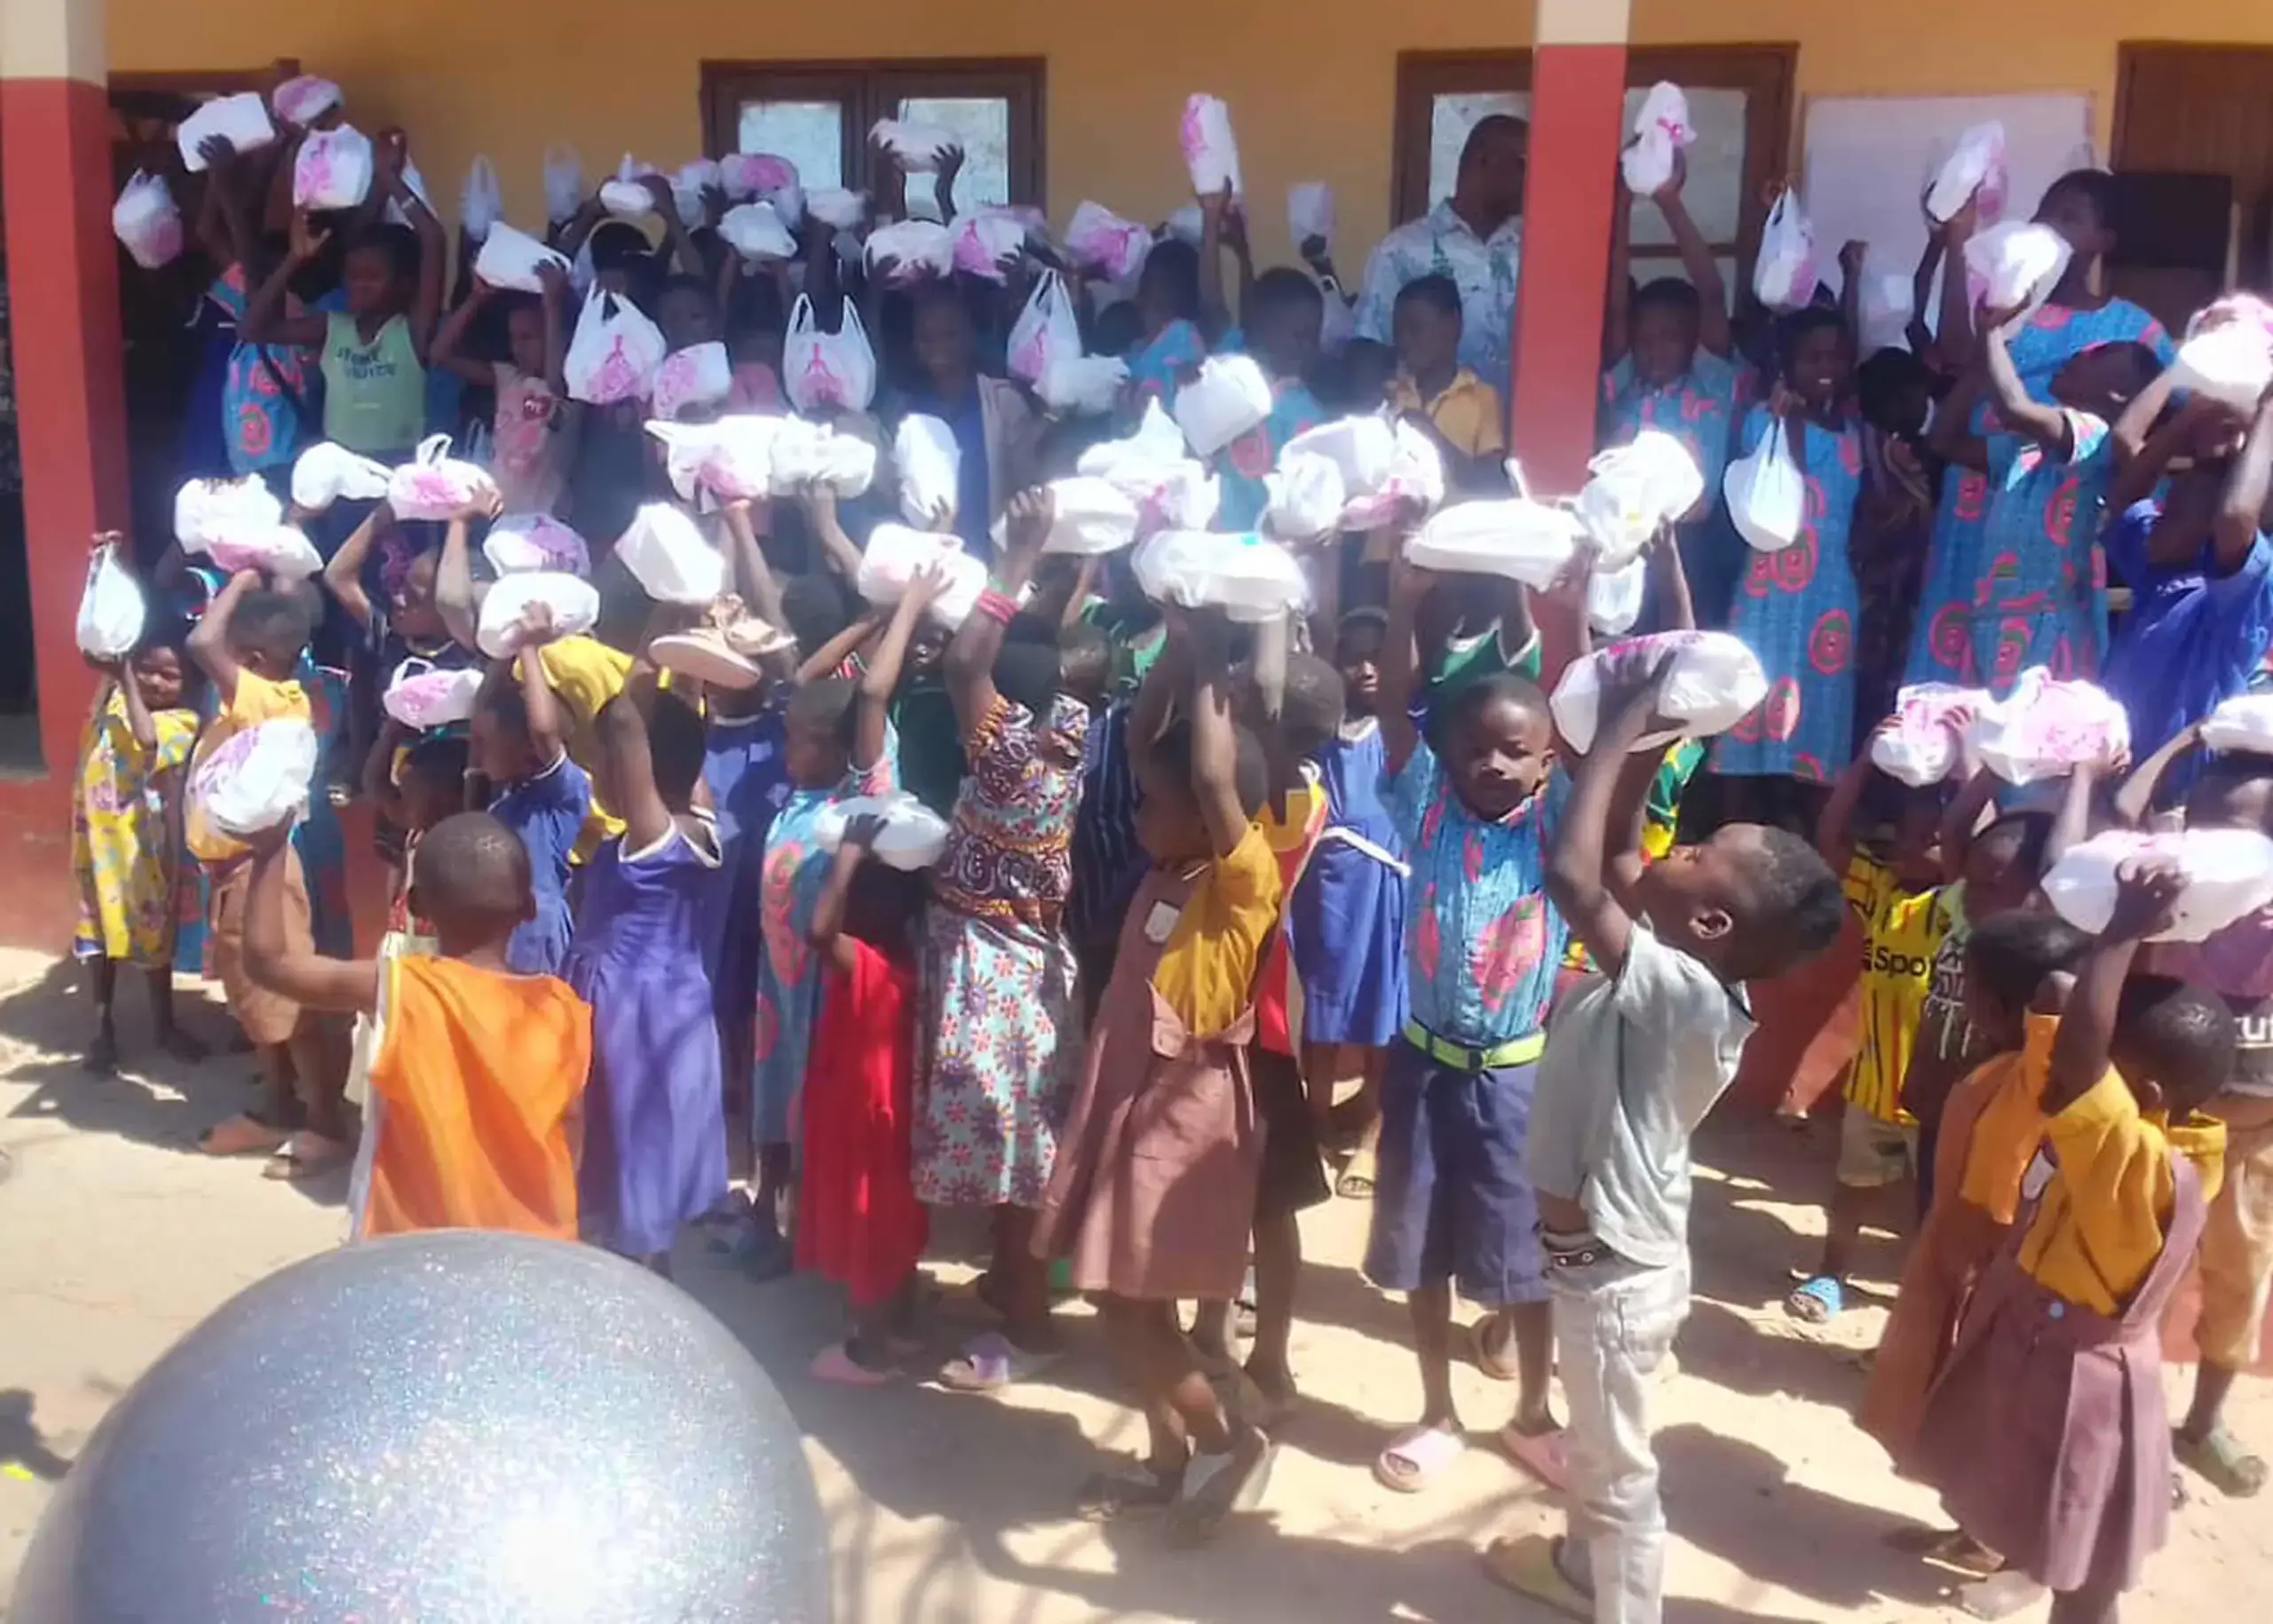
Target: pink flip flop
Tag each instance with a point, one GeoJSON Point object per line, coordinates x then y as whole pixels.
{"type": "Point", "coordinates": [834, 1364]}
{"type": "Point", "coordinates": [1545, 1455]}
{"type": "Point", "coordinates": [1417, 1457]}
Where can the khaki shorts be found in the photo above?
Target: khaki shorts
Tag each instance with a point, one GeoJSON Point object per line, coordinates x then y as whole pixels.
{"type": "Point", "coordinates": [2237, 1252]}
{"type": "Point", "coordinates": [267, 1017]}
{"type": "Point", "coordinates": [1872, 1152]}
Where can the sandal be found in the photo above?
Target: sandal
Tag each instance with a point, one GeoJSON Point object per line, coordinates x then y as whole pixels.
{"type": "Point", "coordinates": [2222, 1462]}
{"type": "Point", "coordinates": [1417, 1457]}
{"type": "Point", "coordinates": [1495, 1354]}
{"type": "Point", "coordinates": [1133, 1489]}
{"type": "Point", "coordinates": [244, 1135]}
{"type": "Point", "coordinates": [1357, 1181]}
{"type": "Point", "coordinates": [991, 1362]}
{"type": "Point", "coordinates": [1532, 1566]}
{"type": "Point", "coordinates": [1545, 1455]}
{"type": "Point", "coordinates": [1999, 1595]}
{"type": "Point", "coordinates": [1815, 1301]}
{"type": "Point", "coordinates": [1216, 1485]}
{"type": "Point", "coordinates": [307, 1155]}
{"type": "Point", "coordinates": [836, 1363]}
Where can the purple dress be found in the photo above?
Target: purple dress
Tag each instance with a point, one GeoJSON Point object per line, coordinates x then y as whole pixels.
{"type": "Point", "coordinates": [655, 1132]}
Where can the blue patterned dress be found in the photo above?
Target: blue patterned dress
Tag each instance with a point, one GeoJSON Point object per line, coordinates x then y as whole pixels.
{"type": "Point", "coordinates": [1246, 460]}
{"type": "Point", "coordinates": [1156, 368]}
{"type": "Point", "coordinates": [2042, 596]}
{"type": "Point", "coordinates": [1797, 609]}
{"type": "Point", "coordinates": [1699, 409]}
{"type": "Point", "coordinates": [1942, 642]}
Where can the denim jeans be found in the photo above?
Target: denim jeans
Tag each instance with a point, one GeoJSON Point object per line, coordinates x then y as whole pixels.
{"type": "Point", "coordinates": [1614, 1324]}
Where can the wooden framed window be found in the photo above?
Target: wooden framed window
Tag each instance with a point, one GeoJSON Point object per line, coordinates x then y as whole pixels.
{"type": "Point", "coordinates": [817, 114]}
{"type": "Point", "coordinates": [1739, 95]}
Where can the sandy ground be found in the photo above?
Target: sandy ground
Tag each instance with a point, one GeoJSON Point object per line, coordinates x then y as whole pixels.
{"type": "Point", "coordinates": [115, 1238]}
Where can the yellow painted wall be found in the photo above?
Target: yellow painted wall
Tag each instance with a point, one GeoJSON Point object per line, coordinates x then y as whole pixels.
{"type": "Point", "coordinates": [1312, 82]}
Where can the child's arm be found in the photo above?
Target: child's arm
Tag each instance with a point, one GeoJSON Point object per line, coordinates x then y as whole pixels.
{"type": "Point", "coordinates": [445, 353]}
{"type": "Point", "coordinates": [675, 232]}
{"type": "Point", "coordinates": [1961, 819]}
{"type": "Point", "coordinates": [969, 663]}
{"type": "Point", "coordinates": [433, 246]}
{"type": "Point", "coordinates": [455, 599]}
{"type": "Point", "coordinates": [223, 224]}
{"type": "Point", "coordinates": [753, 575]}
{"type": "Point", "coordinates": [878, 682]}
{"type": "Point", "coordinates": [2241, 515]}
{"type": "Point", "coordinates": [343, 576]}
{"type": "Point", "coordinates": [2143, 895]}
{"type": "Point", "coordinates": [2017, 412]}
{"type": "Point", "coordinates": [629, 771]}
{"type": "Point", "coordinates": [2136, 799]}
{"type": "Point", "coordinates": [350, 986]}
{"type": "Point", "coordinates": [129, 693]}
{"type": "Point", "coordinates": [209, 640]}
{"type": "Point", "coordinates": [2073, 824]}
{"type": "Point", "coordinates": [1166, 678]}
{"type": "Point", "coordinates": [2132, 434]}
{"type": "Point", "coordinates": [1951, 436]}
{"type": "Point", "coordinates": [264, 320]}
{"type": "Point", "coordinates": [826, 933]}
{"type": "Point", "coordinates": [1674, 604]}
{"type": "Point", "coordinates": [836, 548]}
{"type": "Point", "coordinates": [1215, 312]}
{"type": "Point", "coordinates": [1834, 828]}
{"type": "Point", "coordinates": [1579, 880]}
{"type": "Point", "coordinates": [1215, 743]}
{"type": "Point", "coordinates": [1921, 289]}
{"type": "Point", "coordinates": [548, 722]}
{"type": "Point", "coordinates": [1408, 585]}
{"type": "Point", "coordinates": [1955, 330]}
{"type": "Point", "coordinates": [824, 660]}
{"type": "Point", "coordinates": [1713, 332]}
{"type": "Point", "coordinates": [1852, 256]}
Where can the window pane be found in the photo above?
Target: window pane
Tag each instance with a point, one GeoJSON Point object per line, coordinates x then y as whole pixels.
{"type": "Point", "coordinates": [1649, 267]}
{"type": "Point", "coordinates": [982, 124]}
{"type": "Point", "coordinates": [1450, 119]}
{"type": "Point", "coordinates": [810, 134]}
{"type": "Point", "coordinates": [1714, 192]}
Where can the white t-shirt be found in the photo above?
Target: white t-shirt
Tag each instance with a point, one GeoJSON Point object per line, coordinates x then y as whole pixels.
{"type": "Point", "coordinates": [1632, 1066]}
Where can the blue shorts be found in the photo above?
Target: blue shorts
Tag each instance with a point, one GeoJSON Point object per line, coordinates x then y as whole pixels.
{"type": "Point", "coordinates": [1451, 1202]}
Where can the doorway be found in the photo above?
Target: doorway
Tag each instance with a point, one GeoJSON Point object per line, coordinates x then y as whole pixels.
{"type": "Point", "coordinates": [2194, 145]}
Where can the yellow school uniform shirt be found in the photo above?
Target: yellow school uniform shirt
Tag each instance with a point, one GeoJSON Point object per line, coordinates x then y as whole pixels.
{"type": "Point", "coordinates": [2011, 1127]}
{"type": "Point", "coordinates": [1466, 412]}
{"type": "Point", "coordinates": [1207, 967]}
{"type": "Point", "coordinates": [2099, 1227]}
{"type": "Point", "coordinates": [585, 673]}
{"type": "Point", "coordinates": [256, 699]}
{"type": "Point", "coordinates": [1902, 931]}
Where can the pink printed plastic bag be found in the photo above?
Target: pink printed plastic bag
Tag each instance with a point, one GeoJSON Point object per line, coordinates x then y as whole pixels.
{"type": "Point", "coordinates": [429, 699]}
{"type": "Point", "coordinates": [1708, 683]}
{"type": "Point", "coordinates": [521, 542]}
{"type": "Point", "coordinates": [434, 485]}
{"type": "Point", "coordinates": [1922, 746]}
{"type": "Point", "coordinates": [2228, 875]}
{"type": "Point", "coordinates": [1046, 331]}
{"type": "Point", "coordinates": [614, 353]}
{"type": "Point", "coordinates": [820, 370]}
{"type": "Point", "coordinates": [756, 174]}
{"type": "Point", "coordinates": [2047, 728]}
{"type": "Point", "coordinates": [257, 778]}
{"type": "Point", "coordinates": [1097, 239]}
{"type": "Point", "coordinates": [333, 170]}
{"type": "Point", "coordinates": [700, 374]}
{"type": "Point", "coordinates": [987, 242]}
{"type": "Point", "coordinates": [146, 222]}
{"type": "Point", "coordinates": [1210, 151]}
{"type": "Point", "coordinates": [304, 99]}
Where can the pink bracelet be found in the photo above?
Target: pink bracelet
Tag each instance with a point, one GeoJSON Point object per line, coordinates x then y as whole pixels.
{"type": "Point", "coordinates": [998, 606]}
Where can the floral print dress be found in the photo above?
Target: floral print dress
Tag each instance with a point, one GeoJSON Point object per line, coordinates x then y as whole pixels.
{"type": "Point", "coordinates": [1000, 1021]}
{"type": "Point", "coordinates": [125, 846]}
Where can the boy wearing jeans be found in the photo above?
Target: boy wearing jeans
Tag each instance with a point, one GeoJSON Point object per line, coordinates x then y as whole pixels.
{"type": "Point", "coordinates": [1637, 1056]}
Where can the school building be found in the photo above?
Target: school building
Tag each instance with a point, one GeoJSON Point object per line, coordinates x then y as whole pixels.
{"type": "Point", "coordinates": [1057, 103]}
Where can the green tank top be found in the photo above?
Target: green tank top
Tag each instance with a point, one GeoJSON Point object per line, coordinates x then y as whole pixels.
{"type": "Point", "coordinates": [375, 393]}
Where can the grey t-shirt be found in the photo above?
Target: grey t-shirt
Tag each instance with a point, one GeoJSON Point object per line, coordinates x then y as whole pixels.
{"type": "Point", "coordinates": [1632, 1066]}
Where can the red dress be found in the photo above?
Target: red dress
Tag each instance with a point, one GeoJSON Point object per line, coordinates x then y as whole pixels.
{"type": "Point", "coordinates": [859, 1222]}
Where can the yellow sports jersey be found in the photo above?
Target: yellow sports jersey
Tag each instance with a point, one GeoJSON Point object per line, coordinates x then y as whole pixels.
{"type": "Point", "coordinates": [1902, 931]}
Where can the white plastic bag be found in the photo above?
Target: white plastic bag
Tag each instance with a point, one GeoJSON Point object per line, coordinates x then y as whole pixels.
{"type": "Point", "coordinates": [627, 196]}
{"type": "Point", "coordinates": [754, 231]}
{"type": "Point", "coordinates": [1079, 385]}
{"type": "Point", "coordinates": [2014, 265]}
{"type": "Point", "coordinates": [304, 98]}
{"type": "Point", "coordinates": [1046, 331]}
{"type": "Point", "coordinates": [1708, 683]}
{"type": "Point", "coordinates": [931, 467]}
{"type": "Point", "coordinates": [511, 259]}
{"type": "Point", "coordinates": [2047, 728]}
{"type": "Point", "coordinates": [1522, 539]}
{"type": "Point", "coordinates": [574, 605]}
{"type": "Point", "coordinates": [1783, 276]}
{"type": "Point", "coordinates": [1155, 440]}
{"type": "Point", "coordinates": [1096, 239]}
{"type": "Point", "coordinates": [1229, 397]}
{"type": "Point", "coordinates": [1087, 515]}
{"type": "Point", "coordinates": [519, 543]}
{"type": "Point", "coordinates": [1975, 164]}
{"type": "Point", "coordinates": [1302, 497]}
{"type": "Point", "coordinates": [205, 511]}
{"type": "Point", "coordinates": [1767, 494]}
{"type": "Point", "coordinates": [1662, 129]}
{"type": "Point", "coordinates": [435, 485]}
{"type": "Point", "coordinates": [333, 168]}
{"type": "Point", "coordinates": [111, 609]}
{"type": "Point", "coordinates": [1362, 449]}
{"type": "Point", "coordinates": [325, 473]}
{"type": "Point", "coordinates": [918, 147]}
{"type": "Point", "coordinates": [241, 119]}
{"type": "Point", "coordinates": [700, 374]}
{"type": "Point", "coordinates": [822, 370]}
{"type": "Point", "coordinates": [1615, 598]}
{"type": "Point", "coordinates": [428, 699]}
{"type": "Point", "coordinates": [913, 249]}
{"type": "Point", "coordinates": [1412, 489]}
{"type": "Point", "coordinates": [1209, 152]}
{"type": "Point", "coordinates": [1247, 576]}
{"type": "Point", "coordinates": [690, 188]}
{"type": "Point", "coordinates": [913, 836]}
{"type": "Point", "coordinates": [563, 183]}
{"type": "Point", "coordinates": [1309, 213]}
{"type": "Point", "coordinates": [2230, 363]}
{"type": "Point", "coordinates": [2242, 724]}
{"type": "Point", "coordinates": [259, 778]}
{"type": "Point", "coordinates": [278, 550]}
{"type": "Point", "coordinates": [1634, 490]}
{"type": "Point", "coordinates": [481, 203]}
{"type": "Point", "coordinates": [756, 174]}
{"type": "Point", "coordinates": [838, 206]}
{"type": "Point", "coordinates": [146, 222]}
{"type": "Point", "coordinates": [893, 556]}
{"type": "Point", "coordinates": [668, 556]}
{"type": "Point", "coordinates": [1186, 224]}
{"type": "Point", "coordinates": [2229, 876]}
{"type": "Point", "coordinates": [1922, 747]}
{"type": "Point", "coordinates": [987, 241]}
{"type": "Point", "coordinates": [614, 353]}
{"type": "Point", "coordinates": [1888, 304]}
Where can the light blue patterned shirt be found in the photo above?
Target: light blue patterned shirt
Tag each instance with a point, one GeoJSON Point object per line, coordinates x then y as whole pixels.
{"type": "Point", "coordinates": [1441, 243]}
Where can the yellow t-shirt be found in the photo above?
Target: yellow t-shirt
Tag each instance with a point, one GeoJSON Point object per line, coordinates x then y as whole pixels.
{"type": "Point", "coordinates": [1466, 413]}
{"type": "Point", "coordinates": [2099, 1228]}
{"type": "Point", "coordinates": [2011, 1127]}
{"type": "Point", "coordinates": [585, 674]}
{"type": "Point", "coordinates": [1207, 968]}
{"type": "Point", "coordinates": [256, 699]}
{"type": "Point", "coordinates": [1902, 931]}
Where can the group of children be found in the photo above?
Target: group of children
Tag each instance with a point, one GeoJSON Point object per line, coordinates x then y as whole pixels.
{"type": "Point", "coordinates": [1206, 908]}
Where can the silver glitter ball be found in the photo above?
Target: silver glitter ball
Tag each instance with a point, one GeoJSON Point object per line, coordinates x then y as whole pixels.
{"type": "Point", "coordinates": [449, 1429]}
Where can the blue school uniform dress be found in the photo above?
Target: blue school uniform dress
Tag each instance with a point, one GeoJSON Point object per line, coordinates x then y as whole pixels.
{"type": "Point", "coordinates": [1156, 367]}
{"type": "Point", "coordinates": [1699, 409]}
{"type": "Point", "coordinates": [2042, 596]}
{"type": "Point", "coordinates": [1242, 464]}
{"type": "Point", "coordinates": [547, 810]}
{"type": "Point", "coordinates": [1450, 1199]}
{"type": "Point", "coordinates": [2192, 637]}
{"type": "Point", "coordinates": [1796, 610]}
{"type": "Point", "coordinates": [1941, 644]}
{"type": "Point", "coordinates": [746, 768]}
{"type": "Point", "coordinates": [1345, 920]}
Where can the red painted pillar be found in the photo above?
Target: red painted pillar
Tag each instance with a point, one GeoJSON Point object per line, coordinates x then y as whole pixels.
{"type": "Point", "coordinates": [1578, 99]}
{"type": "Point", "coordinates": [65, 345]}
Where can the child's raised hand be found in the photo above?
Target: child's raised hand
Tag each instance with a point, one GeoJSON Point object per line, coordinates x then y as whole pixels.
{"type": "Point", "coordinates": [1851, 255]}
{"type": "Point", "coordinates": [1408, 582]}
{"type": "Point", "coordinates": [1026, 523]}
{"type": "Point", "coordinates": [2146, 890]}
{"type": "Point", "coordinates": [220, 155]}
{"type": "Point", "coordinates": [389, 151]}
{"type": "Point", "coordinates": [1675, 181]}
{"type": "Point", "coordinates": [1629, 688]}
{"type": "Point", "coordinates": [305, 241]}
{"type": "Point", "coordinates": [553, 280]}
{"type": "Point", "coordinates": [537, 626]}
{"type": "Point", "coordinates": [483, 505]}
{"type": "Point", "coordinates": [925, 585]}
{"type": "Point", "coordinates": [860, 832]}
{"type": "Point", "coordinates": [659, 187]}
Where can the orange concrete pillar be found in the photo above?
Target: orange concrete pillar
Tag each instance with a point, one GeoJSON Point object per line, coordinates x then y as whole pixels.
{"type": "Point", "coordinates": [70, 407]}
{"type": "Point", "coordinates": [1578, 97]}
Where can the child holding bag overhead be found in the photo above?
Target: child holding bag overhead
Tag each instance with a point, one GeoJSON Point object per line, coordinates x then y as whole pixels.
{"type": "Point", "coordinates": [534, 433]}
